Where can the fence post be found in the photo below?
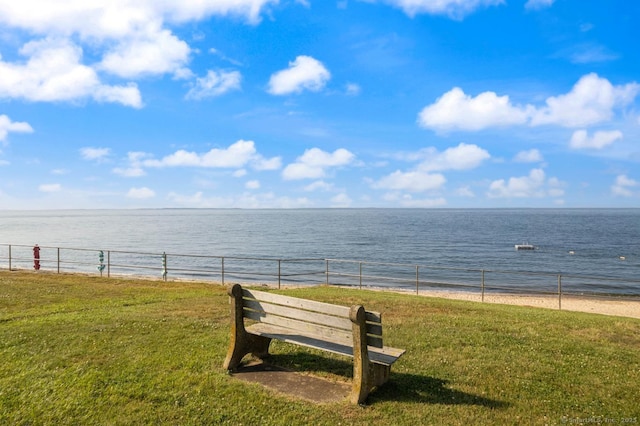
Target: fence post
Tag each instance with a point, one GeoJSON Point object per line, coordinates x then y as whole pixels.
{"type": "Point", "coordinates": [360, 275]}
{"type": "Point", "coordinates": [327, 271]}
{"type": "Point", "coordinates": [108, 263]}
{"type": "Point", "coordinates": [58, 259]}
{"type": "Point", "coordinates": [559, 291]}
{"type": "Point", "coordinates": [417, 280]}
{"type": "Point", "coordinates": [9, 257]}
{"type": "Point", "coordinates": [279, 271]}
{"type": "Point", "coordinates": [164, 266]}
{"type": "Point", "coordinates": [482, 285]}
{"type": "Point", "coordinates": [222, 269]}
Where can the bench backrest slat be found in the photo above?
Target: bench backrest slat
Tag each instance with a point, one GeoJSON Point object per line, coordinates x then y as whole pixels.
{"type": "Point", "coordinates": [334, 334]}
{"type": "Point", "coordinates": [299, 314]}
{"type": "Point", "coordinates": [294, 302]}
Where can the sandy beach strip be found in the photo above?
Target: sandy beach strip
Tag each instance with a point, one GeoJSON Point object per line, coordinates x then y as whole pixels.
{"type": "Point", "coordinates": [597, 305]}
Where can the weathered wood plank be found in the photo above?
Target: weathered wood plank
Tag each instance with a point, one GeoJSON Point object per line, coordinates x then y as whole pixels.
{"type": "Point", "coordinates": [386, 356]}
{"type": "Point", "coordinates": [296, 337]}
{"type": "Point", "coordinates": [374, 329]}
{"type": "Point", "coordinates": [294, 302]}
{"type": "Point", "coordinates": [328, 333]}
{"type": "Point", "coordinates": [343, 323]}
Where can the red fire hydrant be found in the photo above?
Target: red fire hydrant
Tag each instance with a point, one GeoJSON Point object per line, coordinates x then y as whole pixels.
{"type": "Point", "coordinates": [36, 258]}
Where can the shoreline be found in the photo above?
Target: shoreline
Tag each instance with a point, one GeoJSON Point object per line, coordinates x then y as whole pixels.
{"type": "Point", "coordinates": [595, 305]}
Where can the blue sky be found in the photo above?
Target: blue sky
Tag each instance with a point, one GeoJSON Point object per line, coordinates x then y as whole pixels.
{"type": "Point", "coordinates": [309, 103]}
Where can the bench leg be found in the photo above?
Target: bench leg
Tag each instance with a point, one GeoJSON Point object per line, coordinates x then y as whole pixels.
{"type": "Point", "coordinates": [241, 342]}
{"type": "Point", "coordinates": [243, 345]}
{"type": "Point", "coordinates": [379, 374]}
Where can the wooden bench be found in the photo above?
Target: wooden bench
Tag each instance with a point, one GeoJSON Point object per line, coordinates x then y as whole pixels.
{"type": "Point", "coordinates": [349, 331]}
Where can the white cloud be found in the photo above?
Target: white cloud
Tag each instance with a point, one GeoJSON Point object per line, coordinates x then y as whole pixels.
{"type": "Point", "coordinates": [319, 185]}
{"type": "Point", "coordinates": [53, 72]}
{"type": "Point", "coordinates": [414, 181]}
{"type": "Point", "coordinates": [159, 52]}
{"type": "Point", "coordinates": [305, 73]}
{"type": "Point", "coordinates": [530, 156]}
{"type": "Point", "coordinates": [600, 139]}
{"type": "Point", "coordinates": [314, 162]}
{"type": "Point", "coordinates": [465, 191]}
{"type": "Point", "coordinates": [130, 38]}
{"type": "Point", "coordinates": [456, 9]}
{"type": "Point", "coordinates": [141, 193]}
{"type": "Point", "coordinates": [341, 200]}
{"type": "Point", "coordinates": [135, 168]}
{"type": "Point", "coordinates": [7, 126]}
{"type": "Point", "coordinates": [96, 154]}
{"type": "Point", "coordinates": [538, 4]}
{"type": "Point", "coordinates": [534, 185]}
{"type": "Point", "coordinates": [108, 19]}
{"type": "Point", "coordinates": [591, 101]}
{"type": "Point", "coordinates": [623, 186]}
{"type": "Point", "coordinates": [50, 187]}
{"type": "Point", "coordinates": [252, 184]}
{"type": "Point", "coordinates": [456, 110]}
{"type": "Point", "coordinates": [237, 155]}
{"type": "Point", "coordinates": [462, 157]}
{"type": "Point", "coordinates": [215, 84]}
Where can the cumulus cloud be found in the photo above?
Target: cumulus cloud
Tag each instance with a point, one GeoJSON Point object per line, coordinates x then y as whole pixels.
{"type": "Point", "coordinates": [600, 139]}
{"type": "Point", "coordinates": [535, 185]}
{"type": "Point", "coordinates": [592, 100]}
{"type": "Point", "coordinates": [462, 157]}
{"type": "Point", "coordinates": [530, 156]}
{"type": "Point", "coordinates": [215, 83]}
{"type": "Point", "coordinates": [457, 110]}
{"type": "Point", "coordinates": [157, 53]}
{"type": "Point", "coordinates": [624, 186]}
{"type": "Point", "coordinates": [131, 39]}
{"type": "Point", "coordinates": [305, 73]}
{"type": "Point", "coordinates": [7, 126]}
{"type": "Point", "coordinates": [456, 9]}
{"type": "Point", "coordinates": [141, 193]}
{"type": "Point", "coordinates": [314, 163]}
{"type": "Point", "coordinates": [108, 19]}
{"type": "Point", "coordinates": [237, 155]}
{"type": "Point", "coordinates": [53, 72]}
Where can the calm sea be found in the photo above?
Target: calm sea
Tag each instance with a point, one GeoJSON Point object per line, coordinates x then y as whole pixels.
{"type": "Point", "coordinates": [569, 241]}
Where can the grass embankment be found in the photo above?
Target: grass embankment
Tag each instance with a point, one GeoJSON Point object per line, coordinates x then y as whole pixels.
{"type": "Point", "coordinates": [86, 350]}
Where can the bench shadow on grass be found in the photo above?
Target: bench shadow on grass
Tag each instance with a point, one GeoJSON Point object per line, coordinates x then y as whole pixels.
{"type": "Point", "coordinates": [401, 387]}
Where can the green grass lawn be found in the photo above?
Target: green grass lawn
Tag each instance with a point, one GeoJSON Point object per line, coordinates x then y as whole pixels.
{"type": "Point", "coordinates": [89, 350]}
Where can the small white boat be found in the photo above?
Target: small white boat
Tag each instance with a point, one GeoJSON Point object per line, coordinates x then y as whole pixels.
{"type": "Point", "coordinates": [525, 246]}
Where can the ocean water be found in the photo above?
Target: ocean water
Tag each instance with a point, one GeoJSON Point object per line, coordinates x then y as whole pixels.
{"type": "Point", "coordinates": [588, 242]}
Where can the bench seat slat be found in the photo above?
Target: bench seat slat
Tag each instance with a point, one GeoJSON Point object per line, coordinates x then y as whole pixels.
{"type": "Point", "coordinates": [294, 302]}
{"type": "Point", "coordinates": [385, 356]}
{"type": "Point", "coordinates": [343, 323]}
